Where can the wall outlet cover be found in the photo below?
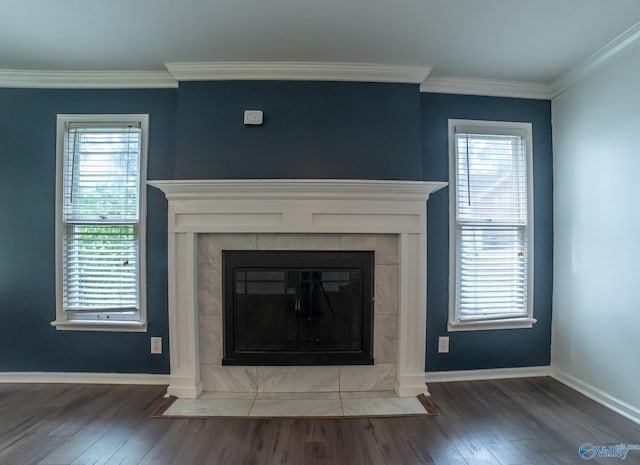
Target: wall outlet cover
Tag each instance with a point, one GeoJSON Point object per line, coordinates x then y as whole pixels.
{"type": "Point", "coordinates": [443, 344]}
{"type": "Point", "coordinates": [156, 345]}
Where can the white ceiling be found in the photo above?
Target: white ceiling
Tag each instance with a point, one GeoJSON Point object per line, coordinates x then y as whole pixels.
{"type": "Point", "coordinates": [519, 40]}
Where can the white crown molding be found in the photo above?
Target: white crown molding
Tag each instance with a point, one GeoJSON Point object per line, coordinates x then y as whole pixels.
{"type": "Point", "coordinates": [604, 55]}
{"type": "Point", "coordinates": [83, 378]}
{"type": "Point", "coordinates": [627, 410]}
{"type": "Point", "coordinates": [494, 373]}
{"type": "Point", "coordinates": [297, 71]}
{"type": "Point", "coordinates": [487, 87]}
{"type": "Point", "coordinates": [42, 79]}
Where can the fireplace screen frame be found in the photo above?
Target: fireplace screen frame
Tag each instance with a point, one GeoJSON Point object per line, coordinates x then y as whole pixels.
{"type": "Point", "coordinates": [298, 261]}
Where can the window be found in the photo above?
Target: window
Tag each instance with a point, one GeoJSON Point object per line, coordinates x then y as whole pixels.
{"type": "Point", "coordinates": [100, 222]}
{"type": "Point", "coordinates": [491, 230]}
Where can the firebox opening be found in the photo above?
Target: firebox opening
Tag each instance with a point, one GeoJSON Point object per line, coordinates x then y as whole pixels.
{"type": "Point", "coordinates": [298, 307]}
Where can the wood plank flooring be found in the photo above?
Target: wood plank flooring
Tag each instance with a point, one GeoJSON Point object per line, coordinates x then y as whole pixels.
{"type": "Point", "coordinates": [523, 421]}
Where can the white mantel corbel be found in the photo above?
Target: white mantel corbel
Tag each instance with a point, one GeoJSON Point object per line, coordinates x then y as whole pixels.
{"type": "Point", "coordinates": [296, 206]}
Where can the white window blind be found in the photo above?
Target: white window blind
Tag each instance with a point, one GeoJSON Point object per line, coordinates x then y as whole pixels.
{"type": "Point", "coordinates": [491, 225]}
{"type": "Point", "coordinates": [101, 216]}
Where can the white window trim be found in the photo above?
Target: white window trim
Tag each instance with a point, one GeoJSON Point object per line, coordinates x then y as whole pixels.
{"type": "Point", "coordinates": [489, 127]}
{"type": "Point", "coordinates": [64, 320]}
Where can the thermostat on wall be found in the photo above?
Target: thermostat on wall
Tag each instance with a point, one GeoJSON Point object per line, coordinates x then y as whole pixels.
{"type": "Point", "coordinates": [253, 117]}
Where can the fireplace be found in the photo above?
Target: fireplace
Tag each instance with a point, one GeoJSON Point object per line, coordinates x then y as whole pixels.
{"type": "Point", "coordinates": [265, 215]}
{"type": "Point", "coordinates": [297, 307]}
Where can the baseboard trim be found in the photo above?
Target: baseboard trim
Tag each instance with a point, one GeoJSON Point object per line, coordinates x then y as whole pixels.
{"type": "Point", "coordinates": [83, 378]}
{"type": "Point", "coordinates": [592, 392]}
{"type": "Point", "coordinates": [493, 373]}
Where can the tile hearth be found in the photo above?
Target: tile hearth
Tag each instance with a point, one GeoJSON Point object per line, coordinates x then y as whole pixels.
{"type": "Point", "coordinates": [300, 404]}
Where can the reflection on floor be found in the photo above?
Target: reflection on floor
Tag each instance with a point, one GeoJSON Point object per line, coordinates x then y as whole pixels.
{"type": "Point", "coordinates": [297, 404]}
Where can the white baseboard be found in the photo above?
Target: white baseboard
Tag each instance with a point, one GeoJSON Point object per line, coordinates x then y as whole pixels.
{"type": "Point", "coordinates": [83, 378]}
{"type": "Point", "coordinates": [617, 405]}
{"type": "Point", "coordinates": [184, 387]}
{"type": "Point", "coordinates": [493, 373]}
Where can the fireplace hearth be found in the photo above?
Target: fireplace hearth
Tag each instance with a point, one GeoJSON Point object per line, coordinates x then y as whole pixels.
{"type": "Point", "coordinates": [298, 307]}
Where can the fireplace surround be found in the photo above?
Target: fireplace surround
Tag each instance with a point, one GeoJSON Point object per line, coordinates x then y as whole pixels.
{"type": "Point", "coordinates": [311, 208]}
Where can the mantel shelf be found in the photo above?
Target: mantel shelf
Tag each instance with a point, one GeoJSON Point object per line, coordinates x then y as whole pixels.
{"type": "Point", "coordinates": [296, 188]}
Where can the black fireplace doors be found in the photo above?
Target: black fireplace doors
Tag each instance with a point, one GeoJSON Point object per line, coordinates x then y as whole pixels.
{"type": "Point", "coordinates": [298, 307]}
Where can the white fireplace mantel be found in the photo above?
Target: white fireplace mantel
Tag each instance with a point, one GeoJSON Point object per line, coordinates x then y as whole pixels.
{"type": "Point", "coordinates": [296, 206]}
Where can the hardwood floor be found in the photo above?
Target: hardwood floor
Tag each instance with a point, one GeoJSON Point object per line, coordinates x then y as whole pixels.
{"type": "Point", "coordinates": [523, 421]}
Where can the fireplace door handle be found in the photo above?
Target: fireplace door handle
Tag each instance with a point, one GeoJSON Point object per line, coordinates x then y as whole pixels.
{"type": "Point", "coordinates": [297, 304]}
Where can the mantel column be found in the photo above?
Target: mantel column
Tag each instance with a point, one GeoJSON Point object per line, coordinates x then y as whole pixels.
{"type": "Point", "coordinates": [412, 250]}
{"type": "Point", "coordinates": [183, 316]}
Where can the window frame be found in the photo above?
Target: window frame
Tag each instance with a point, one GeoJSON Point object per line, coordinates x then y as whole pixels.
{"type": "Point", "coordinates": [111, 320]}
{"type": "Point", "coordinates": [498, 128]}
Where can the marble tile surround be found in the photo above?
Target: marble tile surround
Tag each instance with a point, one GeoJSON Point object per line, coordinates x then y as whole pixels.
{"type": "Point", "coordinates": [215, 377]}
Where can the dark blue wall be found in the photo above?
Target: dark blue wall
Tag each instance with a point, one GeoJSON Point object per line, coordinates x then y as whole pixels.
{"type": "Point", "coordinates": [27, 237]}
{"type": "Point", "coordinates": [310, 130]}
{"type": "Point", "coordinates": [497, 348]}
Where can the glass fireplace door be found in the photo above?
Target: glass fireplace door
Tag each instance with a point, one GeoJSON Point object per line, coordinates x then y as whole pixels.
{"type": "Point", "coordinates": [265, 304]}
{"type": "Point", "coordinates": [297, 308]}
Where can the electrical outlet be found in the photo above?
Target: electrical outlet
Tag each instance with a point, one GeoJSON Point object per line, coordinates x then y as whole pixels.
{"type": "Point", "coordinates": [443, 345]}
{"type": "Point", "coordinates": [156, 345]}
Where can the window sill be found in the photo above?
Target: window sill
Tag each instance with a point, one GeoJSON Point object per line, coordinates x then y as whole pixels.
{"type": "Point", "coordinates": [78, 325]}
{"type": "Point", "coordinates": [515, 323]}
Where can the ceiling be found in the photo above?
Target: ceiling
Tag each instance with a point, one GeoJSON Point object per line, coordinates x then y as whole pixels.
{"type": "Point", "coordinates": [515, 40]}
